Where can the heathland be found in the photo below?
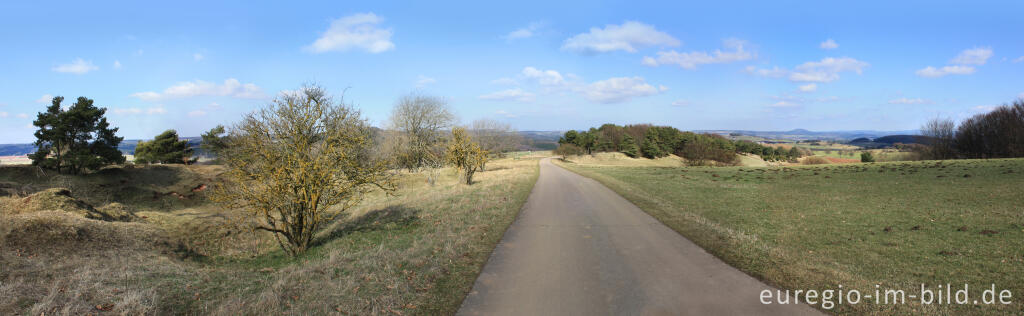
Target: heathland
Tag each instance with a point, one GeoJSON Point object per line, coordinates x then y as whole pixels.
{"type": "Point", "coordinates": [147, 239]}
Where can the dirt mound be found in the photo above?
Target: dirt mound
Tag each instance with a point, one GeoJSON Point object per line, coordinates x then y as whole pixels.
{"type": "Point", "coordinates": [60, 199]}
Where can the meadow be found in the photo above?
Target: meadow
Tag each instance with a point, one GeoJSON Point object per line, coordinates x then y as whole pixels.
{"type": "Point", "coordinates": [145, 240]}
{"type": "Point", "coordinates": [892, 224]}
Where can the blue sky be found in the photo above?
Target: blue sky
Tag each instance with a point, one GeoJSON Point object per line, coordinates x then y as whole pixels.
{"type": "Point", "coordinates": [542, 65]}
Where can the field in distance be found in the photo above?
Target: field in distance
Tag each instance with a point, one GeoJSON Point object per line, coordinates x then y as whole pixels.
{"type": "Point", "coordinates": [896, 224]}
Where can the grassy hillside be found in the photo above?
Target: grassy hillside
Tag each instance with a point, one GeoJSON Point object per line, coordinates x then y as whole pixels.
{"type": "Point", "coordinates": [172, 252]}
{"type": "Point", "coordinates": [896, 224]}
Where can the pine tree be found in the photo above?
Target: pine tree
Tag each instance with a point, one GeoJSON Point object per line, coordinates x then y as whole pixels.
{"type": "Point", "coordinates": [164, 148]}
{"type": "Point", "coordinates": [628, 146]}
{"type": "Point", "coordinates": [651, 149]}
{"type": "Point", "coordinates": [75, 140]}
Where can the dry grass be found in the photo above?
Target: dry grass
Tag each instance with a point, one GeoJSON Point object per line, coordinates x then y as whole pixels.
{"type": "Point", "coordinates": [620, 159]}
{"type": "Point", "coordinates": [417, 252]}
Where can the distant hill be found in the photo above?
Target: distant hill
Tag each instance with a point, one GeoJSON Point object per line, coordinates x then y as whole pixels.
{"type": "Point", "coordinates": [127, 147]}
{"type": "Point", "coordinates": [803, 134]}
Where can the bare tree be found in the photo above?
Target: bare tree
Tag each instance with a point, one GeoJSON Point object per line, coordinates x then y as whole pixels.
{"type": "Point", "coordinates": [420, 122]}
{"type": "Point", "coordinates": [497, 138]}
{"type": "Point", "coordinates": [940, 139]}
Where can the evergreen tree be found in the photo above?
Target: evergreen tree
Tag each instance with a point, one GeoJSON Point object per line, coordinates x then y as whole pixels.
{"type": "Point", "coordinates": [651, 147]}
{"type": "Point", "coordinates": [165, 148]}
{"type": "Point", "coordinates": [628, 146]}
{"type": "Point", "coordinates": [214, 142]}
{"type": "Point", "coordinates": [75, 140]}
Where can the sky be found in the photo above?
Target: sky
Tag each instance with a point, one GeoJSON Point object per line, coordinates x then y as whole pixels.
{"type": "Point", "coordinates": [538, 65]}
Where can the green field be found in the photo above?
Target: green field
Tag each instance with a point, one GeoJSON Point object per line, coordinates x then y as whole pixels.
{"type": "Point", "coordinates": [415, 252]}
{"type": "Point", "coordinates": [897, 224]}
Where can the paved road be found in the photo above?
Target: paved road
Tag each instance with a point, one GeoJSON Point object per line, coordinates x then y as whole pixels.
{"type": "Point", "coordinates": [578, 248]}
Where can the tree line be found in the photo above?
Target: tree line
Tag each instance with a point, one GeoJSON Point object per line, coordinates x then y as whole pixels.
{"type": "Point", "coordinates": [650, 141]}
{"type": "Point", "coordinates": [996, 134]}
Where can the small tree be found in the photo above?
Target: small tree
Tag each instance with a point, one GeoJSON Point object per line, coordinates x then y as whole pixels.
{"type": "Point", "coordinates": [297, 163]}
{"type": "Point", "coordinates": [214, 141]}
{"type": "Point", "coordinates": [77, 139]}
{"type": "Point", "coordinates": [164, 148]}
{"type": "Point", "coordinates": [867, 157]}
{"type": "Point", "coordinates": [419, 121]}
{"type": "Point", "coordinates": [464, 154]}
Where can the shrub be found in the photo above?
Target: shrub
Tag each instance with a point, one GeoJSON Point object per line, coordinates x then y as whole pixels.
{"type": "Point", "coordinates": [464, 154]}
{"type": "Point", "coordinates": [568, 150]}
{"type": "Point", "coordinates": [867, 157]}
{"type": "Point", "coordinates": [297, 163]}
{"type": "Point", "coordinates": [815, 160]}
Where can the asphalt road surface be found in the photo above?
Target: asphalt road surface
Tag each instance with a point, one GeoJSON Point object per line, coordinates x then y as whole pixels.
{"type": "Point", "coordinates": [578, 248]}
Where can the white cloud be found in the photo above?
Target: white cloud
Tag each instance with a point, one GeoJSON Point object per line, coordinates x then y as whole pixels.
{"type": "Point", "coordinates": [974, 56]}
{"type": "Point", "coordinates": [810, 87]}
{"type": "Point", "coordinates": [117, 64]}
{"type": "Point", "coordinates": [826, 70]}
{"type": "Point", "coordinates": [505, 81]}
{"type": "Point", "coordinates": [147, 96]}
{"type": "Point", "coordinates": [1019, 59]}
{"type": "Point", "coordinates": [422, 81]}
{"type": "Point", "coordinates": [932, 72]}
{"type": "Point", "coordinates": [1021, 95]}
{"type": "Point", "coordinates": [692, 59]}
{"type": "Point", "coordinates": [231, 88]}
{"type": "Point", "coordinates": [784, 104]}
{"type": "Point", "coordinates": [46, 98]}
{"type": "Point", "coordinates": [515, 94]}
{"type": "Point", "coordinates": [828, 44]}
{"type": "Point", "coordinates": [156, 110]}
{"type": "Point", "coordinates": [680, 102]}
{"type": "Point", "coordinates": [122, 111]}
{"type": "Point", "coordinates": [626, 37]}
{"type": "Point", "coordinates": [961, 63]}
{"type": "Point", "coordinates": [198, 56]}
{"type": "Point", "coordinates": [505, 114]}
{"type": "Point", "coordinates": [620, 89]}
{"type": "Point", "coordinates": [22, 115]}
{"type": "Point", "coordinates": [197, 113]}
{"type": "Point", "coordinates": [775, 72]}
{"type": "Point", "coordinates": [525, 32]}
{"type": "Point", "coordinates": [78, 67]}
{"type": "Point", "coordinates": [909, 101]}
{"type": "Point", "coordinates": [983, 108]}
{"type": "Point", "coordinates": [3, 114]}
{"type": "Point", "coordinates": [544, 77]}
{"type": "Point", "coordinates": [354, 31]}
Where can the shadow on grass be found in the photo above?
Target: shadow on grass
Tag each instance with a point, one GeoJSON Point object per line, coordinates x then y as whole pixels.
{"type": "Point", "coordinates": [375, 220]}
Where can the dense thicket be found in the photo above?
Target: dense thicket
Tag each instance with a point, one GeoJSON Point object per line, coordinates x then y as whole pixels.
{"type": "Point", "coordinates": [76, 139]}
{"type": "Point", "coordinates": [996, 134]}
{"type": "Point", "coordinates": [649, 141]}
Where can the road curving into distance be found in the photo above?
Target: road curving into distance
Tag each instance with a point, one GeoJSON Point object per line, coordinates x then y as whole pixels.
{"type": "Point", "coordinates": [578, 248]}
